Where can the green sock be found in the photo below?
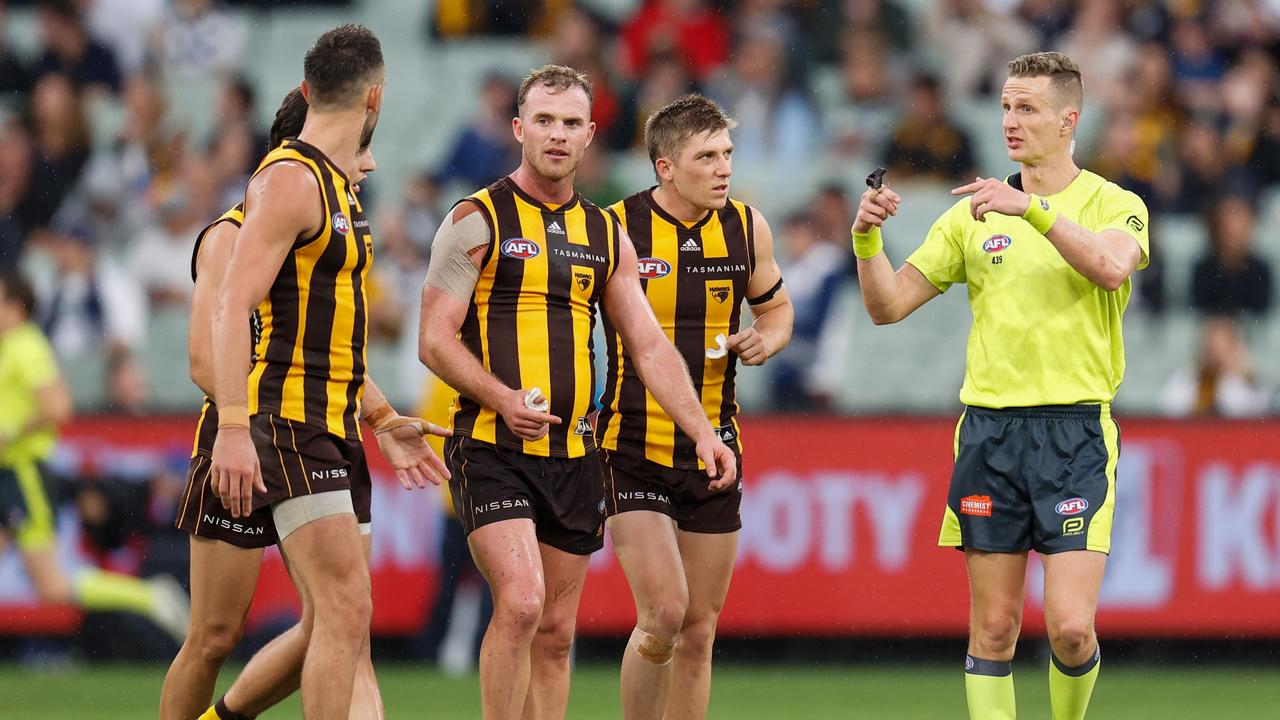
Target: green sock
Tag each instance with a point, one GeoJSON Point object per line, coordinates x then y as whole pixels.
{"type": "Point", "coordinates": [988, 687]}
{"type": "Point", "coordinates": [101, 590]}
{"type": "Point", "coordinates": [1070, 688]}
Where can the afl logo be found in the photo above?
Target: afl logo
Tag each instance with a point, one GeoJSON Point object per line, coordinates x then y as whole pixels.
{"type": "Point", "coordinates": [1074, 506]}
{"type": "Point", "coordinates": [520, 248]}
{"type": "Point", "coordinates": [341, 224]}
{"type": "Point", "coordinates": [654, 268]}
{"type": "Point", "coordinates": [996, 243]}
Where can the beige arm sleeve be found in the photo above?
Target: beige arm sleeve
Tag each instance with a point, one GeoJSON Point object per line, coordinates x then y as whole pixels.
{"type": "Point", "coordinates": [452, 270]}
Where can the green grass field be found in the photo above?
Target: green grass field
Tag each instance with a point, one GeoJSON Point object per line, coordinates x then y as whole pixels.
{"type": "Point", "coordinates": [741, 693]}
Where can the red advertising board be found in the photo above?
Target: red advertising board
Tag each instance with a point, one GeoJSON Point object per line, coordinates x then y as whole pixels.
{"type": "Point", "coordinates": [840, 522]}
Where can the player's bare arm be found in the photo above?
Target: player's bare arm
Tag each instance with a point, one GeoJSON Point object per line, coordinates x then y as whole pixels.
{"type": "Point", "coordinates": [281, 205]}
{"type": "Point", "coordinates": [660, 366]}
{"type": "Point", "coordinates": [1106, 259]}
{"type": "Point", "coordinates": [211, 264]}
{"type": "Point", "coordinates": [440, 348]}
{"type": "Point", "coordinates": [400, 438]}
{"type": "Point", "coordinates": [888, 296]}
{"type": "Point", "coordinates": [770, 304]}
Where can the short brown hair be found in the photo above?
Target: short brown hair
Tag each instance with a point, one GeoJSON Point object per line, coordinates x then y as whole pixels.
{"type": "Point", "coordinates": [342, 62]}
{"type": "Point", "coordinates": [1062, 71]}
{"type": "Point", "coordinates": [555, 77]}
{"type": "Point", "coordinates": [289, 118]}
{"type": "Point", "coordinates": [667, 129]}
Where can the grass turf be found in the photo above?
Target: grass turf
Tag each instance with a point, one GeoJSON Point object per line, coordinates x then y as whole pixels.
{"type": "Point", "coordinates": [739, 692]}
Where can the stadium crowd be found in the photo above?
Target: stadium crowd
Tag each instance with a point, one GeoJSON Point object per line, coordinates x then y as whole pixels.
{"type": "Point", "coordinates": [1183, 99]}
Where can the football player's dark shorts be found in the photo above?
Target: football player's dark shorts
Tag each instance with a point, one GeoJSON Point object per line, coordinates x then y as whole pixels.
{"type": "Point", "coordinates": [562, 496]}
{"type": "Point", "coordinates": [634, 483]}
{"type": "Point", "coordinates": [1035, 478]}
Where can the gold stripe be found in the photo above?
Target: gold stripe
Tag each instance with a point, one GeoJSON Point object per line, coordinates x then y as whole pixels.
{"type": "Point", "coordinates": [275, 443]}
{"type": "Point", "coordinates": [203, 485]}
{"type": "Point", "coordinates": [716, 322]}
{"type": "Point", "coordinates": [195, 444]}
{"type": "Point", "coordinates": [611, 431]}
{"type": "Point", "coordinates": [581, 309]}
{"type": "Point", "coordinates": [532, 334]}
{"type": "Point", "coordinates": [293, 441]}
{"type": "Point", "coordinates": [485, 427]}
{"type": "Point", "coordinates": [660, 428]}
{"type": "Point", "coordinates": [293, 396]}
{"type": "Point", "coordinates": [255, 375]}
{"type": "Point", "coordinates": [341, 351]}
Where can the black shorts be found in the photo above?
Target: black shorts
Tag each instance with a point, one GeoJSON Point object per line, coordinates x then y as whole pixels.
{"type": "Point", "coordinates": [1037, 478]}
{"type": "Point", "coordinates": [561, 495]}
{"type": "Point", "coordinates": [296, 459]}
{"type": "Point", "coordinates": [633, 483]}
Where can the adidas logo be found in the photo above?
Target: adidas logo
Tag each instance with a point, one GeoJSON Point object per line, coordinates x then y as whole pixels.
{"type": "Point", "coordinates": [690, 245]}
{"type": "Point", "coordinates": [555, 229]}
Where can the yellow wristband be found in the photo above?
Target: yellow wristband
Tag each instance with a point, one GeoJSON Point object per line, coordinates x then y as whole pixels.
{"type": "Point", "coordinates": [1039, 215]}
{"type": "Point", "coordinates": [235, 416]}
{"type": "Point", "coordinates": [868, 244]}
{"type": "Point", "coordinates": [379, 416]}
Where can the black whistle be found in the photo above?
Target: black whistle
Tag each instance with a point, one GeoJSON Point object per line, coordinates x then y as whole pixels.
{"type": "Point", "coordinates": [876, 179]}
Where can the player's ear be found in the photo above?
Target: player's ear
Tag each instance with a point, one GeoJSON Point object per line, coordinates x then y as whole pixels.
{"type": "Point", "coordinates": [517, 129]}
{"type": "Point", "coordinates": [591, 133]}
{"type": "Point", "coordinates": [305, 89]}
{"type": "Point", "coordinates": [374, 101]}
{"type": "Point", "coordinates": [662, 166]}
{"type": "Point", "coordinates": [1069, 121]}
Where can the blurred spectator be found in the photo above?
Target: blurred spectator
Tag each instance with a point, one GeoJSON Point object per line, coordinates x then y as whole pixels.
{"type": "Point", "coordinates": [198, 38]}
{"type": "Point", "coordinates": [1049, 18]}
{"type": "Point", "coordinates": [1246, 90]}
{"type": "Point", "coordinates": [814, 269]}
{"type": "Point", "coordinates": [13, 76]}
{"type": "Point", "coordinates": [1201, 173]}
{"type": "Point", "coordinates": [126, 385]}
{"type": "Point", "coordinates": [237, 144]}
{"type": "Point", "coordinates": [595, 180]}
{"type": "Point", "coordinates": [1140, 133]}
{"type": "Point", "coordinates": [1221, 383]}
{"type": "Point", "coordinates": [692, 30]}
{"type": "Point", "coordinates": [1197, 65]}
{"type": "Point", "coordinates": [577, 42]}
{"type": "Point", "coordinates": [61, 136]}
{"type": "Point", "coordinates": [124, 26]}
{"type": "Point", "coordinates": [69, 50]}
{"type": "Point", "coordinates": [1264, 157]}
{"type": "Point", "coordinates": [1124, 157]}
{"type": "Point", "coordinates": [1148, 20]}
{"type": "Point", "coordinates": [860, 104]}
{"type": "Point", "coordinates": [1232, 277]}
{"type": "Point", "coordinates": [462, 18]}
{"type": "Point", "coordinates": [1104, 52]}
{"type": "Point", "coordinates": [828, 25]}
{"type": "Point", "coordinates": [161, 256]}
{"type": "Point", "coordinates": [89, 303]}
{"type": "Point", "coordinates": [925, 144]}
{"type": "Point", "coordinates": [777, 127]}
{"type": "Point", "coordinates": [15, 178]}
{"type": "Point", "coordinates": [830, 213]}
{"type": "Point", "coordinates": [486, 150]}
{"type": "Point", "coordinates": [668, 79]}
{"type": "Point", "coordinates": [977, 44]}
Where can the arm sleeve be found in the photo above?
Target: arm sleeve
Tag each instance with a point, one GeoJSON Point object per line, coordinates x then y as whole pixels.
{"type": "Point", "coordinates": [1125, 211]}
{"type": "Point", "coordinates": [451, 270]}
{"type": "Point", "coordinates": [940, 258]}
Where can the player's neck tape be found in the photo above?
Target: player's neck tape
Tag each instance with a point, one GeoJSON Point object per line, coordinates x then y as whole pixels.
{"type": "Point", "coordinates": [1077, 671]}
{"type": "Point", "coordinates": [994, 668]}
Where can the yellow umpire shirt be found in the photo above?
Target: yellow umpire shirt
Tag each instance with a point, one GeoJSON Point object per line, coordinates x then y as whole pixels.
{"type": "Point", "coordinates": [26, 365]}
{"type": "Point", "coordinates": [1042, 333]}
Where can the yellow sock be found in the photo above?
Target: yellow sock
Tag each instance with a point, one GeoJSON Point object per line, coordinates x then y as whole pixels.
{"type": "Point", "coordinates": [988, 688]}
{"type": "Point", "coordinates": [1071, 688]}
{"type": "Point", "coordinates": [100, 590]}
{"type": "Point", "coordinates": [210, 714]}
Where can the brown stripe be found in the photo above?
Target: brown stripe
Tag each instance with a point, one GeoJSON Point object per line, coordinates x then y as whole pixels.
{"type": "Point", "coordinates": [200, 512]}
{"type": "Point", "coordinates": [690, 337]}
{"type": "Point", "coordinates": [278, 355]}
{"type": "Point", "coordinates": [275, 443]}
{"type": "Point", "coordinates": [560, 345]}
{"type": "Point", "coordinates": [464, 419]}
{"type": "Point", "coordinates": [293, 442]}
{"type": "Point", "coordinates": [632, 405]}
{"type": "Point", "coordinates": [740, 241]}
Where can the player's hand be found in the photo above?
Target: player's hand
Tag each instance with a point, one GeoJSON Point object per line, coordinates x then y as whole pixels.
{"type": "Point", "coordinates": [527, 424]}
{"type": "Point", "coordinates": [876, 206]}
{"type": "Point", "coordinates": [750, 346]}
{"type": "Point", "coordinates": [722, 464]}
{"type": "Point", "coordinates": [403, 445]}
{"type": "Point", "coordinates": [992, 195]}
{"type": "Point", "coordinates": [235, 471]}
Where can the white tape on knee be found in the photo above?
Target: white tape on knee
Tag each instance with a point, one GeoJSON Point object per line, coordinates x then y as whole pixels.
{"type": "Point", "coordinates": [652, 648]}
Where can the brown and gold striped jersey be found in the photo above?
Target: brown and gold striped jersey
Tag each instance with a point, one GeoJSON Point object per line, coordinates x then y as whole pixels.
{"type": "Point", "coordinates": [695, 277]}
{"type": "Point", "coordinates": [207, 425]}
{"type": "Point", "coordinates": [532, 314]}
{"type": "Point", "coordinates": [310, 357]}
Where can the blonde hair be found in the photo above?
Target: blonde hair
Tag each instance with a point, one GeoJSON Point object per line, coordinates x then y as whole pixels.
{"type": "Point", "coordinates": [670, 127]}
{"type": "Point", "coordinates": [1062, 71]}
{"type": "Point", "coordinates": [555, 77]}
